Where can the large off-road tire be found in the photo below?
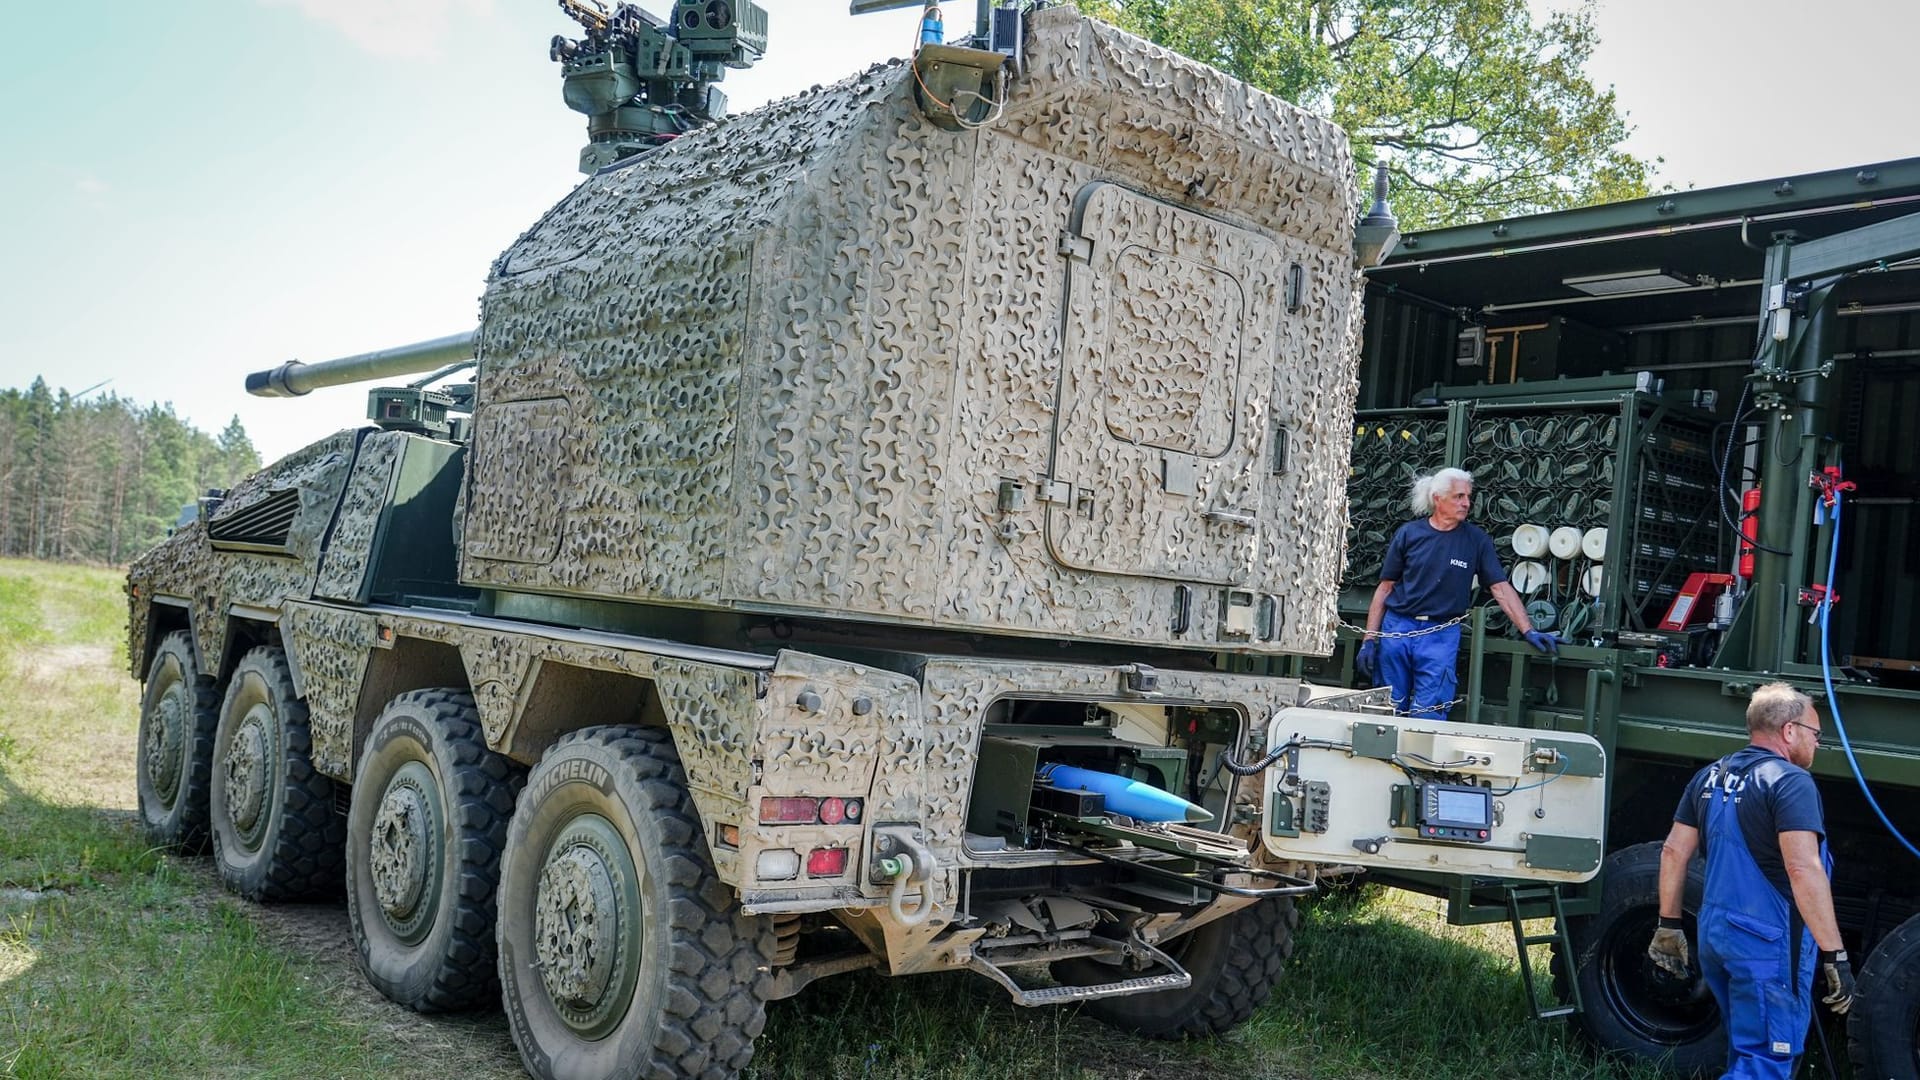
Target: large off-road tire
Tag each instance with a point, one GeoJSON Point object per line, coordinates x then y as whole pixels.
{"type": "Point", "coordinates": [621, 954]}
{"type": "Point", "coordinates": [276, 832]}
{"type": "Point", "coordinates": [1234, 961]}
{"type": "Point", "coordinates": [1625, 1009]}
{"type": "Point", "coordinates": [425, 830]}
{"type": "Point", "coordinates": [179, 710]}
{"type": "Point", "coordinates": [1883, 1027]}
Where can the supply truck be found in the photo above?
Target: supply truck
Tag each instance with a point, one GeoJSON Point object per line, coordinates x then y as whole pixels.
{"type": "Point", "coordinates": [830, 555]}
{"type": "Point", "coordinates": [1687, 416]}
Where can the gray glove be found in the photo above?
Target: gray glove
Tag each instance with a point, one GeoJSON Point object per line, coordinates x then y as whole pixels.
{"type": "Point", "coordinates": [1836, 977]}
{"type": "Point", "coordinates": [1669, 950]}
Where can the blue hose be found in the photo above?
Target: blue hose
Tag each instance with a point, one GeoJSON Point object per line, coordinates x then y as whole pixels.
{"type": "Point", "coordinates": [1826, 674]}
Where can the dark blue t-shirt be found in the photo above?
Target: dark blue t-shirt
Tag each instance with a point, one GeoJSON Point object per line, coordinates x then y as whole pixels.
{"type": "Point", "coordinates": [1433, 570]}
{"type": "Point", "coordinates": [1771, 795]}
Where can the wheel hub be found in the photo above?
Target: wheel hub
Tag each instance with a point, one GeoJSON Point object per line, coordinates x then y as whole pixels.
{"type": "Point", "coordinates": [246, 766]}
{"type": "Point", "coordinates": [166, 737]}
{"type": "Point", "coordinates": [587, 925]}
{"type": "Point", "coordinates": [577, 922]}
{"type": "Point", "coordinates": [401, 849]}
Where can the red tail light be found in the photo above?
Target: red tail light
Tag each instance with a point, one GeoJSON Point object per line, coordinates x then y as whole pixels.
{"type": "Point", "coordinates": [789, 811]}
{"type": "Point", "coordinates": [809, 810]}
{"type": "Point", "coordinates": [827, 862]}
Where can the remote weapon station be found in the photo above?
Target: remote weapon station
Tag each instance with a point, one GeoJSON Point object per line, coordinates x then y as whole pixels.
{"type": "Point", "coordinates": [836, 560]}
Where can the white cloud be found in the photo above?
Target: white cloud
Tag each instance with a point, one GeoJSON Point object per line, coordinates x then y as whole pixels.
{"type": "Point", "coordinates": [405, 29]}
{"type": "Point", "coordinates": [90, 185]}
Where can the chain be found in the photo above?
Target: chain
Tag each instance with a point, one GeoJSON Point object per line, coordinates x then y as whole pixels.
{"type": "Point", "coordinates": [1434, 629]}
{"type": "Point", "coordinates": [1436, 711]}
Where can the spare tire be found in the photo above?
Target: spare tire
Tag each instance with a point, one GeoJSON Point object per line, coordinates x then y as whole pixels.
{"type": "Point", "coordinates": [1625, 1010]}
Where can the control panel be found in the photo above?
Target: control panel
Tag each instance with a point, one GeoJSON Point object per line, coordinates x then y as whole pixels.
{"type": "Point", "coordinates": [1455, 812]}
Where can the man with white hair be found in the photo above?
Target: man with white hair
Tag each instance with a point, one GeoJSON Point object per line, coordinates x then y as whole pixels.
{"type": "Point", "coordinates": [1426, 584]}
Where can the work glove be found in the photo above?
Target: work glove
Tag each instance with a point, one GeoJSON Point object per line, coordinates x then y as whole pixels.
{"type": "Point", "coordinates": [1543, 641]}
{"type": "Point", "coordinates": [1368, 658]}
{"type": "Point", "coordinates": [1836, 977]}
{"type": "Point", "coordinates": [1669, 951]}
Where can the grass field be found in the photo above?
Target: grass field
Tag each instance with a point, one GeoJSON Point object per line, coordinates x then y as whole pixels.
{"type": "Point", "coordinates": [120, 961]}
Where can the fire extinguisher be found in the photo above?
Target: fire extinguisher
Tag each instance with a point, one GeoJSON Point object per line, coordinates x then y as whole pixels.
{"type": "Point", "coordinates": [1749, 529]}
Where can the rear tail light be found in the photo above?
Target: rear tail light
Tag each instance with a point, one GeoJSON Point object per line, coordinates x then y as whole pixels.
{"type": "Point", "coordinates": [827, 862]}
{"type": "Point", "coordinates": [788, 811]}
{"type": "Point", "coordinates": [809, 810]}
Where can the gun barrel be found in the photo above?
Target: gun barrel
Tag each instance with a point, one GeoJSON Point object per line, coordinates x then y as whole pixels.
{"type": "Point", "coordinates": [294, 378]}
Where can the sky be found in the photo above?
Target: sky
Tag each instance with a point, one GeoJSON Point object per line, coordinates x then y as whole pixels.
{"type": "Point", "coordinates": [196, 189]}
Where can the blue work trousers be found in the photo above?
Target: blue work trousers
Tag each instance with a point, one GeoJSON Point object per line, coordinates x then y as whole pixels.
{"type": "Point", "coordinates": [1423, 671]}
{"type": "Point", "coordinates": [1748, 942]}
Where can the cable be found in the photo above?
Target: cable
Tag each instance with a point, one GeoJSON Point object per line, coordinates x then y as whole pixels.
{"type": "Point", "coordinates": [1826, 676]}
{"type": "Point", "coordinates": [1543, 783]}
{"type": "Point", "coordinates": [1739, 413]}
{"type": "Point", "coordinates": [1441, 765]}
{"type": "Point", "coordinates": [1238, 768]}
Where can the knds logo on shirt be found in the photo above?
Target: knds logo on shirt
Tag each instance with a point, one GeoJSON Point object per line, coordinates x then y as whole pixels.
{"type": "Point", "coordinates": [1461, 563]}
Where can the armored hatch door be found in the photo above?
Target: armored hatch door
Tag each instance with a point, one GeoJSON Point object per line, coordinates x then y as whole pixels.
{"type": "Point", "coordinates": [1167, 342]}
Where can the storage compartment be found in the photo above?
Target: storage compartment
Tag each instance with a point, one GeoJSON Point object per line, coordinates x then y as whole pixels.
{"type": "Point", "coordinates": [1058, 774]}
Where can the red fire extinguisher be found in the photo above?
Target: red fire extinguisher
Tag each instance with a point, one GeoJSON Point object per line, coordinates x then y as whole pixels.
{"type": "Point", "coordinates": [1749, 529]}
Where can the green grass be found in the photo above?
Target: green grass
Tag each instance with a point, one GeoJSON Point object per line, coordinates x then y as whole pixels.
{"type": "Point", "coordinates": [116, 960]}
{"type": "Point", "coordinates": [1379, 987]}
{"type": "Point", "coordinates": [120, 961]}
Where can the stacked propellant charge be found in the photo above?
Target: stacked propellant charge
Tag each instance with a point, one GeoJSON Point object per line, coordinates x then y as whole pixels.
{"type": "Point", "coordinates": [1547, 477]}
{"type": "Point", "coordinates": [1388, 452]}
{"type": "Point", "coordinates": [1551, 469]}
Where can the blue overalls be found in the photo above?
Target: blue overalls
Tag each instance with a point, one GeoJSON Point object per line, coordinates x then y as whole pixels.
{"type": "Point", "coordinates": [1749, 935]}
{"type": "Point", "coordinates": [1422, 671]}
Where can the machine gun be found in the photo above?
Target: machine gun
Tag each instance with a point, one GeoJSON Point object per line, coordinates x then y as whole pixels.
{"type": "Point", "coordinates": [642, 81]}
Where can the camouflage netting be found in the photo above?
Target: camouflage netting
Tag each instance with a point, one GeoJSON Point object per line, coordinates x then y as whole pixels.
{"type": "Point", "coordinates": [827, 357]}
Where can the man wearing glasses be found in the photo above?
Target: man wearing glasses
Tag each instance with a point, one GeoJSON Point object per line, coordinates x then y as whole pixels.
{"type": "Point", "coordinates": [1767, 905]}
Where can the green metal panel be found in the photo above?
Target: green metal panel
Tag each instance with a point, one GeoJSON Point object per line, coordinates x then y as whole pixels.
{"type": "Point", "coordinates": [1578, 758]}
{"type": "Point", "coordinates": [1280, 816]}
{"type": "Point", "coordinates": [1580, 853]}
{"type": "Point", "coordinates": [1668, 211]}
{"type": "Point", "coordinates": [1372, 739]}
{"type": "Point", "coordinates": [1886, 242]}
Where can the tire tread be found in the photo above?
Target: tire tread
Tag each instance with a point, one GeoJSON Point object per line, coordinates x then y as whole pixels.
{"type": "Point", "coordinates": [715, 1004]}
{"type": "Point", "coordinates": [309, 847]}
{"type": "Point", "coordinates": [189, 831]}
{"type": "Point", "coordinates": [468, 975]}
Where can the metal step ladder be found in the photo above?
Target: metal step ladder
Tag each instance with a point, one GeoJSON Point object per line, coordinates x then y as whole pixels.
{"type": "Point", "coordinates": [1520, 897]}
{"type": "Point", "coordinates": [1174, 978]}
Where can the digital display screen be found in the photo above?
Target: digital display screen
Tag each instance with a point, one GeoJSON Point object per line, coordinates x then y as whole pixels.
{"type": "Point", "coordinates": [1453, 804]}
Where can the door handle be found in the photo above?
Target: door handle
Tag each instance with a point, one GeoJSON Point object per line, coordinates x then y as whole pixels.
{"type": "Point", "coordinates": [1230, 515]}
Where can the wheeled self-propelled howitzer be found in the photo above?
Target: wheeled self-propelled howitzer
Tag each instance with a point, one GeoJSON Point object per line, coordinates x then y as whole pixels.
{"type": "Point", "coordinates": [865, 502]}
